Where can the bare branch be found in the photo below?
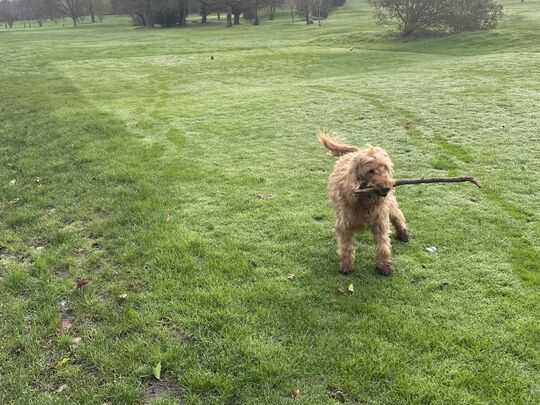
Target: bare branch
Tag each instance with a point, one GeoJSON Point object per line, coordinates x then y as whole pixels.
{"type": "Point", "coordinates": [403, 182]}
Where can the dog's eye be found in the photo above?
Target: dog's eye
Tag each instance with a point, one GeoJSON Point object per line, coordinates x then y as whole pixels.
{"type": "Point", "coordinates": [372, 171]}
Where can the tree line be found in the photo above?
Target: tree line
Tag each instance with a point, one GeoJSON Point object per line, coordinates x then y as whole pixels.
{"type": "Point", "coordinates": [413, 16]}
{"type": "Point", "coordinates": [164, 13]}
{"type": "Point", "coordinates": [39, 11]}
{"type": "Point", "coordinates": [167, 13]}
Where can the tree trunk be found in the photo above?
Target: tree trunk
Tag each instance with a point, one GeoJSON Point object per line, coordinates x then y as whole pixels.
{"type": "Point", "coordinates": [229, 19]}
{"type": "Point", "coordinates": [218, 16]}
{"type": "Point", "coordinates": [309, 16]}
{"type": "Point", "coordinates": [149, 15]}
{"type": "Point", "coordinates": [407, 31]}
{"type": "Point", "coordinates": [74, 21]}
{"type": "Point", "coordinates": [292, 13]}
{"type": "Point", "coordinates": [271, 12]}
{"type": "Point", "coordinates": [183, 14]}
{"type": "Point", "coordinates": [204, 13]}
{"type": "Point", "coordinates": [142, 19]}
{"type": "Point", "coordinates": [256, 22]}
{"type": "Point", "coordinates": [236, 14]}
{"type": "Point", "coordinates": [91, 10]}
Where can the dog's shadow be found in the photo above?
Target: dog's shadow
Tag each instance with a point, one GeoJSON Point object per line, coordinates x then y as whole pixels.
{"type": "Point", "coordinates": [325, 264]}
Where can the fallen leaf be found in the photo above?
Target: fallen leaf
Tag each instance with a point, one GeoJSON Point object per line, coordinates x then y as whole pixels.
{"type": "Point", "coordinates": [346, 290]}
{"type": "Point", "coordinates": [431, 249]}
{"type": "Point", "coordinates": [253, 263]}
{"type": "Point", "coordinates": [131, 286]}
{"type": "Point", "coordinates": [65, 325]}
{"type": "Point", "coordinates": [296, 393]}
{"type": "Point", "coordinates": [157, 371]}
{"type": "Point", "coordinates": [17, 350]}
{"type": "Point", "coordinates": [14, 201]}
{"type": "Point", "coordinates": [291, 277]}
{"type": "Point", "coordinates": [81, 282]}
{"type": "Point", "coordinates": [168, 218]}
{"type": "Point", "coordinates": [61, 388]}
{"type": "Point", "coordinates": [265, 196]}
{"type": "Point", "coordinates": [122, 297]}
{"type": "Point", "coordinates": [61, 362]}
{"type": "Point", "coordinates": [76, 340]}
{"type": "Point", "coordinates": [336, 394]}
{"type": "Point", "coordinates": [12, 182]}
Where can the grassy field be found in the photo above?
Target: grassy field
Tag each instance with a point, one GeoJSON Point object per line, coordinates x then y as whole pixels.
{"type": "Point", "coordinates": [132, 160]}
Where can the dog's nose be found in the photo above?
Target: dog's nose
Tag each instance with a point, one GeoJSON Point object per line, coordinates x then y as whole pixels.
{"type": "Point", "coordinates": [385, 190]}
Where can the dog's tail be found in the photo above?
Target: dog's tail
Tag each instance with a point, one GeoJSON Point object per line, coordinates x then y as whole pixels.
{"type": "Point", "coordinates": [335, 148]}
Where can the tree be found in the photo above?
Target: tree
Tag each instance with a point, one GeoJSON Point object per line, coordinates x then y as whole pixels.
{"type": "Point", "coordinates": [413, 15]}
{"type": "Point", "coordinates": [38, 10]}
{"type": "Point", "coordinates": [8, 12]}
{"type": "Point", "coordinates": [71, 8]}
{"type": "Point", "coordinates": [90, 4]}
{"type": "Point", "coordinates": [204, 11]}
{"type": "Point", "coordinates": [424, 15]}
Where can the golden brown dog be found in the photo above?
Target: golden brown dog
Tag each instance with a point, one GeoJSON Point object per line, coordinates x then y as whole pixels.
{"type": "Point", "coordinates": [367, 167]}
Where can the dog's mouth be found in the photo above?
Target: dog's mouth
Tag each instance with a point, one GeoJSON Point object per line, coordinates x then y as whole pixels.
{"type": "Point", "coordinates": [383, 192]}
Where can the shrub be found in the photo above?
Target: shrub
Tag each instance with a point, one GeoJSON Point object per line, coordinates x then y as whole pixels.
{"type": "Point", "coordinates": [424, 15]}
{"type": "Point", "coordinates": [472, 15]}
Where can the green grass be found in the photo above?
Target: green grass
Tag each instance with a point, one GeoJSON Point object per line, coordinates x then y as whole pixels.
{"type": "Point", "coordinates": [124, 126]}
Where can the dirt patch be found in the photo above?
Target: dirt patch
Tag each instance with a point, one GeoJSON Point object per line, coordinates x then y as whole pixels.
{"type": "Point", "coordinates": [19, 256]}
{"type": "Point", "coordinates": [167, 387]}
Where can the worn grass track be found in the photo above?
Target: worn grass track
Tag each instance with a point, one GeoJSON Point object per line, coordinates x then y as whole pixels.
{"type": "Point", "coordinates": [109, 129]}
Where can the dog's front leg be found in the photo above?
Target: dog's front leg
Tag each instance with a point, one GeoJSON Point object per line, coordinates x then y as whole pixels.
{"type": "Point", "coordinates": [398, 220]}
{"type": "Point", "coordinates": [383, 250]}
{"type": "Point", "coordinates": [346, 252]}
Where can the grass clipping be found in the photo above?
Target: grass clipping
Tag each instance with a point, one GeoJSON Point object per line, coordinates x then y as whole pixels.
{"type": "Point", "coordinates": [362, 191]}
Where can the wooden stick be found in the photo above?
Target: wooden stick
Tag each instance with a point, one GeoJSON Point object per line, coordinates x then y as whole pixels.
{"type": "Point", "coordinates": [471, 179]}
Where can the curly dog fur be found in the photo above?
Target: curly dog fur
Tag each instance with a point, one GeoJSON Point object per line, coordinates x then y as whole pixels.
{"type": "Point", "coordinates": [367, 167]}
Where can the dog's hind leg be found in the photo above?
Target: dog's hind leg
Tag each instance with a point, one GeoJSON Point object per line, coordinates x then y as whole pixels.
{"type": "Point", "coordinates": [346, 252]}
{"type": "Point", "coordinates": [398, 220]}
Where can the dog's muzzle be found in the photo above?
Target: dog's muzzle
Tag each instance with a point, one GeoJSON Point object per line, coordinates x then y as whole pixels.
{"type": "Point", "coordinates": [383, 192]}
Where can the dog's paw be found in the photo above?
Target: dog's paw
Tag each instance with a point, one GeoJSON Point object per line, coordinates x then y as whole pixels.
{"type": "Point", "coordinates": [386, 269]}
{"type": "Point", "coordinates": [403, 235]}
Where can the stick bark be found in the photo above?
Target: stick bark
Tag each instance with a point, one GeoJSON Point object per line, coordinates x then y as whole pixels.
{"type": "Point", "coordinates": [403, 182]}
